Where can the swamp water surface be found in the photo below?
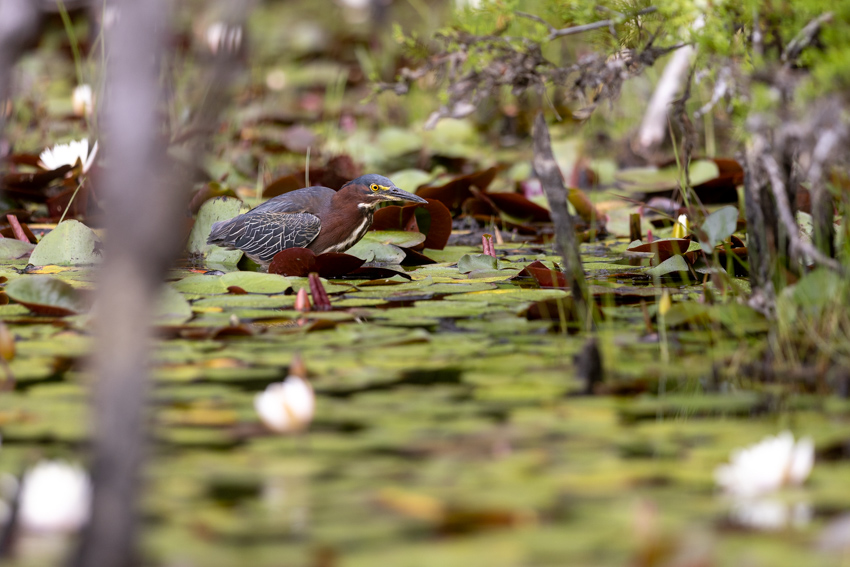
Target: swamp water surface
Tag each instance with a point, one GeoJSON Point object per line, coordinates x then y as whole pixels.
{"type": "Point", "coordinates": [450, 427]}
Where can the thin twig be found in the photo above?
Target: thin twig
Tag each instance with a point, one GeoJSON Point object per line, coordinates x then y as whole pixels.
{"type": "Point", "coordinates": [537, 19]}
{"type": "Point", "coordinates": [593, 26]}
{"type": "Point", "coordinates": [787, 218]}
{"type": "Point", "coordinates": [804, 38]}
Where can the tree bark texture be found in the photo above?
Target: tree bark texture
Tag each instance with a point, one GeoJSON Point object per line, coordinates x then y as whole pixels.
{"type": "Point", "coordinates": [546, 169]}
{"type": "Point", "coordinates": [143, 216]}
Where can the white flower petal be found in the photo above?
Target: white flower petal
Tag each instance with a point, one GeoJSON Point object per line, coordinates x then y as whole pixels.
{"type": "Point", "coordinates": [55, 498]}
{"type": "Point", "coordinates": [67, 154]}
{"type": "Point", "coordinates": [82, 100]}
{"type": "Point", "coordinates": [271, 408]}
{"type": "Point", "coordinates": [766, 466]}
{"type": "Point", "coordinates": [802, 461]}
{"type": "Point", "coordinates": [300, 400]}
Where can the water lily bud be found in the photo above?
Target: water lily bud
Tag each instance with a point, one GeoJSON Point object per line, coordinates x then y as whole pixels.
{"type": "Point", "coordinates": [286, 406]}
{"type": "Point", "coordinates": [82, 100]}
{"type": "Point", "coordinates": [682, 227]}
{"type": "Point", "coordinates": [665, 303]}
{"type": "Point", "coordinates": [55, 498]}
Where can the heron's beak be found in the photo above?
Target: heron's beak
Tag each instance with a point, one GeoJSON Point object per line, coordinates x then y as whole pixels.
{"type": "Point", "coordinates": [395, 194]}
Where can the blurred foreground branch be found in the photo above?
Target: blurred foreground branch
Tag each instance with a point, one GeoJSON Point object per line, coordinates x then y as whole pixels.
{"type": "Point", "coordinates": [146, 201]}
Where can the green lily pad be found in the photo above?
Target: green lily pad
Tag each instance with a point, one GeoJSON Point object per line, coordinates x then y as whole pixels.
{"type": "Point", "coordinates": [70, 243]}
{"type": "Point", "coordinates": [12, 249]}
{"type": "Point", "coordinates": [651, 179]}
{"type": "Point", "coordinates": [372, 250]}
{"type": "Point", "coordinates": [670, 265]}
{"type": "Point", "coordinates": [252, 301]}
{"type": "Point", "coordinates": [46, 295]}
{"type": "Point", "coordinates": [200, 284]}
{"type": "Point", "coordinates": [400, 238]}
{"type": "Point", "coordinates": [212, 211]}
{"type": "Point", "coordinates": [256, 282]}
{"type": "Point", "coordinates": [719, 226]}
{"type": "Point", "coordinates": [172, 308]}
{"type": "Point", "coordinates": [477, 262]}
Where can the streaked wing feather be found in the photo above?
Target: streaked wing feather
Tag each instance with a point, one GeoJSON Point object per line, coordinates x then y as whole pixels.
{"type": "Point", "coordinates": [266, 234]}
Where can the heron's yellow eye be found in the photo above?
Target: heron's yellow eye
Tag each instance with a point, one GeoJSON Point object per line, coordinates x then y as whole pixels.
{"type": "Point", "coordinates": [373, 187]}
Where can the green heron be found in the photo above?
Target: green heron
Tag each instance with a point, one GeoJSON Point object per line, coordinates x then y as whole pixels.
{"type": "Point", "coordinates": [317, 218]}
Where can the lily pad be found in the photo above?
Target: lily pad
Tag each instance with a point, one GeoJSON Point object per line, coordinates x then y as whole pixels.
{"type": "Point", "coordinates": [472, 262]}
{"type": "Point", "coordinates": [651, 179]}
{"type": "Point", "coordinates": [376, 247]}
{"type": "Point", "coordinates": [673, 264]}
{"type": "Point", "coordinates": [46, 295]}
{"type": "Point", "coordinates": [70, 243]}
{"type": "Point", "coordinates": [719, 226]}
{"type": "Point", "coordinates": [256, 282]}
{"type": "Point", "coordinates": [172, 308]}
{"type": "Point", "coordinates": [200, 284]}
{"type": "Point", "coordinates": [12, 249]}
{"type": "Point", "coordinates": [299, 262]}
{"type": "Point", "coordinates": [212, 211]}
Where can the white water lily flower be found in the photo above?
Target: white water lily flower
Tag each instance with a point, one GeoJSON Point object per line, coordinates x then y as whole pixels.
{"type": "Point", "coordinates": [55, 498]}
{"type": "Point", "coordinates": [767, 514]}
{"type": "Point", "coordinates": [68, 154]}
{"type": "Point", "coordinates": [82, 100]}
{"type": "Point", "coordinates": [286, 406]}
{"type": "Point", "coordinates": [767, 466]}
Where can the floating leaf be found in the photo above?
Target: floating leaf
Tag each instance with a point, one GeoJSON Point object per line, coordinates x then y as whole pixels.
{"type": "Point", "coordinates": [70, 243]}
{"type": "Point", "coordinates": [299, 262]}
{"type": "Point", "coordinates": [201, 284]}
{"type": "Point", "coordinates": [453, 193]}
{"type": "Point", "coordinates": [46, 295]}
{"type": "Point", "coordinates": [719, 226]}
{"type": "Point", "coordinates": [171, 307]}
{"type": "Point", "coordinates": [11, 249]}
{"type": "Point", "coordinates": [662, 249]}
{"type": "Point", "coordinates": [519, 207]}
{"type": "Point", "coordinates": [544, 275]}
{"type": "Point", "coordinates": [212, 211]}
{"type": "Point", "coordinates": [256, 282]}
{"type": "Point", "coordinates": [433, 220]}
{"type": "Point", "coordinates": [370, 250]}
{"type": "Point", "coordinates": [670, 265]}
{"type": "Point", "coordinates": [472, 262]}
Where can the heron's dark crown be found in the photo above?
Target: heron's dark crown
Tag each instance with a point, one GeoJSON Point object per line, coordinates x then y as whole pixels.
{"type": "Point", "coordinates": [369, 179]}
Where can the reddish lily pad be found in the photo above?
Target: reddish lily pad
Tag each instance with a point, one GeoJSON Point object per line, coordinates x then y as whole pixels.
{"type": "Point", "coordinates": [453, 193]}
{"type": "Point", "coordinates": [544, 275]}
{"type": "Point", "coordinates": [299, 262]}
{"type": "Point", "coordinates": [519, 207]}
{"type": "Point", "coordinates": [663, 249]}
{"type": "Point", "coordinates": [433, 220]}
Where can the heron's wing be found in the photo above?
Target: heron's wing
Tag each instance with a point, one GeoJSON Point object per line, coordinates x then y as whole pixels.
{"type": "Point", "coordinates": [261, 234]}
{"type": "Point", "coordinates": [308, 200]}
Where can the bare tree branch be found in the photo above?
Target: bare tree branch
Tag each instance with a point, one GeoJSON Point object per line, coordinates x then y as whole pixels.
{"type": "Point", "coordinates": [546, 169]}
{"type": "Point", "coordinates": [145, 200]}
{"type": "Point", "coordinates": [785, 215]}
{"type": "Point", "coordinates": [593, 26]}
{"type": "Point", "coordinates": [805, 38]}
